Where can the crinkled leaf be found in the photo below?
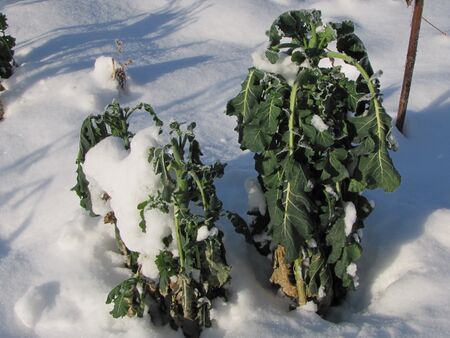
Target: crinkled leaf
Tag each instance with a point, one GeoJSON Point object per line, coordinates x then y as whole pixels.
{"type": "Point", "coordinates": [122, 296]}
{"type": "Point", "coordinates": [379, 171]}
{"type": "Point", "coordinates": [218, 272]}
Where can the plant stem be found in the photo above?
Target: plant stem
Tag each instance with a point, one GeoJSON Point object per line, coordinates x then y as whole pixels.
{"type": "Point", "coordinates": [180, 205]}
{"type": "Point", "coordinates": [299, 282]}
{"type": "Point", "coordinates": [126, 139]}
{"type": "Point", "coordinates": [292, 102]}
{"type": "Point", "coordinates": [313, 40]}
{"type": "Point", "coordinates": [178, 236]}
{"type": "Point", "coordinates": [373, 93]}
{"type": "Point", "coordinates": [202, 193]}
{"type": "Point", "coordinates": [297, 264]}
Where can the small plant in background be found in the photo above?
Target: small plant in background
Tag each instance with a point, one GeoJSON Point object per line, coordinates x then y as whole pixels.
{"type": "Point", "coordinates": [7, 43]}
{"type": "Point", "coordinates": [190, 263]}
{"type": "Point", "coordinates": [320, 139]}
{"type": "Point", "coordinates": [7, 62]}
{"type": "Point", "coordinates": [119, 68]}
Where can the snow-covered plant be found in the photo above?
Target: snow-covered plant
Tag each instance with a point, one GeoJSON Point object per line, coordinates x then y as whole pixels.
{"type": "Point", "coordinates": [112, 122]}
{"type": "Point", "coordinates": [320, 139]}
{"type": "Point", "coordinates": [180, 266]}
{"type": "Point", "coordinates": [7, 43]}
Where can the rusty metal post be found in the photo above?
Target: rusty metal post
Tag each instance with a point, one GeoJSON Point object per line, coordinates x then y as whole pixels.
{"type": "Point", "coordinates": [410, 61]}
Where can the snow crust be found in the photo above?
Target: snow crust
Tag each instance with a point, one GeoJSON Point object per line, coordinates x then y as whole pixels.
{"type": "Point", "coordinates": [57, 264]}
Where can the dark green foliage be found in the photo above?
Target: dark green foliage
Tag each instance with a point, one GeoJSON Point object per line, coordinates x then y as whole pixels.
{"type": "Point", "coordinates": [311, 173]}
{"type": "Point", "coordinates": [126, 298]}
{"type": "Point", "coordinates": [7, 43]}
{"type": "Point", "coordinates": [200, 272]}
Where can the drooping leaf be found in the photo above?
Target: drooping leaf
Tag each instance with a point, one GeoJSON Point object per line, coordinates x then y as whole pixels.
{"type": "Point", "coordinates": [295, 226]}
{"type": "Point", "coordinates": [379, 171]}
{"type": "Point", "coordinates": [218, 272]}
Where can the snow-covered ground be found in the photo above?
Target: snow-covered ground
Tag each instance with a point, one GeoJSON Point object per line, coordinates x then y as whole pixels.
{"type": "Point", "coordinates": [57, 264]}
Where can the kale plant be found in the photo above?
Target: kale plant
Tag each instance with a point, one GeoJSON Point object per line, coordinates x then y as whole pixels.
{"type": "Point", "coordinates": [112, 122]}
{"type": "Point", "coordinates": [7, 43]}
{"type": "Point", "coordinates": [198, 272]}
{"type": "Point", "coordinates": [319, 142]}
{"type": "Point", "coordinates": [7, 63]}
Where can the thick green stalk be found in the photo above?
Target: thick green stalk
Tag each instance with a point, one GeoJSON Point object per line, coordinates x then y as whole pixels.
{"type": "Point", "coordinates": [180, 205]}
{"type": "Point", "coordinates": [124, 131]}
{"type": "Point", "coordinates": [292, 102]}
{"type": "Point", "coordinates": [297, 264]}
{"type": "Point", "coordinates": [373, 93]}
{"type": "Point", "coordinates": [178, 236]}
{"type": "Point", "coordinates": [202, 193]}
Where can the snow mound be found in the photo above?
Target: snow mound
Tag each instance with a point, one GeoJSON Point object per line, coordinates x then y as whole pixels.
{"type": "Point", "coordinates": [103, 72]}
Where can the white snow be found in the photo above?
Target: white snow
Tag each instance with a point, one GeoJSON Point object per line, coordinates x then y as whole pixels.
{"type": "Point", "coordinates": [129, 179]}
{"type": "Point", "coordinates": [349, 217]}
{"type": "Point", "coordinates": [255, 195]}
{"type": "Point", "coordinates": [321, 294]}
{"type": "Point", "coordinates": [350, 71]}
{"type": "Point", "coordinates": [103, 72]}
{"type": "Point", "coordinates": [35, 301]}
{"type": "Point", "coordinates": [309, 307]}
{"type": "Point", "coordinates": [312, 243]}
{"type": "Point", "coordinates": [202, 233]}
{"type": "Point", "coordinates": [319, 124]}
{"type": "Point", "coordinates": [284, 65]}
{"type": "Point", "coordinates": [57, 264]}
{"type": "Point", "coordinates": [331, 191]}
{"type": "Point", "coordinates": [351, 269]}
